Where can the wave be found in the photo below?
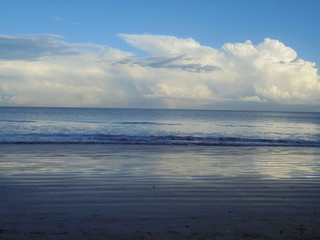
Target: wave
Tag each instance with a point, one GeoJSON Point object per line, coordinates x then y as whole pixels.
{"type": "Point", "coordinates": [17, 121]}
{"type": "Point", "coordinates": [147, 123]}
{"type": "Point", "coordinates": [153, 140]}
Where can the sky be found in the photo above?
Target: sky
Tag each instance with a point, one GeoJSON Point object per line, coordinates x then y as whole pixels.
{"type": "Point", "coordinates": [189, 54]}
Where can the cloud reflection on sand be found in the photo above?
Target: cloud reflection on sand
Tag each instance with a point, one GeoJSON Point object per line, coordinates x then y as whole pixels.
{"type": "Point", "coordinates": [163, 162]}
{"type": "Point", "coordinates": [117, 190]}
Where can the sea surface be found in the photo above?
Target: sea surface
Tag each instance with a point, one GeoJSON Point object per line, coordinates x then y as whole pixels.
{"type": "Point", "coordinates": [158, 127]}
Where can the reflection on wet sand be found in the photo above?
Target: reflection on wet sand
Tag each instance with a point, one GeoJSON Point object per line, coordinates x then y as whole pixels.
{"type": "Point", "coordinates": [159, 192]}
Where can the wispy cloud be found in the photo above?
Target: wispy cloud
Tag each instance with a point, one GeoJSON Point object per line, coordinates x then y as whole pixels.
{"type": "Point", "coordinates": [46, 70]}
{"type": "Point", "coordinates": [32, 47]}
{"type": "Point", "coordinates": [57, 19]}
{"type": "Point", "coordinates": [174, 62]}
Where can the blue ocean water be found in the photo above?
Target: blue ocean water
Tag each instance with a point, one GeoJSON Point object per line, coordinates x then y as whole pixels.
{"type": "Point", "coordinates": [160, 127]}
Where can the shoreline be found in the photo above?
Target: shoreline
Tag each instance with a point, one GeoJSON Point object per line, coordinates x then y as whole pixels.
{"type": "Point", "coordinates": [158, 192]}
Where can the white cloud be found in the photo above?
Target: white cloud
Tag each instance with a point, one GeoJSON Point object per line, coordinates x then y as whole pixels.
{"type": "Point", "coordinates": [159, 45]}
{"type": "Point", "coordinates": [44, 70]}
{"type": "Point", "coordinates": [251, 99]}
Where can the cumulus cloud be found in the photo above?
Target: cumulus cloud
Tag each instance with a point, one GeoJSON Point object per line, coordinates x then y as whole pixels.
{"type": "Point", "coordinates": [159, 45]}
{"type": "Point", "coordinates": [44, 70]}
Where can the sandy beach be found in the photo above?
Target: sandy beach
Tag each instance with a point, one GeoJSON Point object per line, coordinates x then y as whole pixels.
{"type": "Point", "coordinates": [158, 192]}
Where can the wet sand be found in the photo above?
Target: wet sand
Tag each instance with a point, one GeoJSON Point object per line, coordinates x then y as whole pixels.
{"type": "Point", "coordinates": [158, 192]}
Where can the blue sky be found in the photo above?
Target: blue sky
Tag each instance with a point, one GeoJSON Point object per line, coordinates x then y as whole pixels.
{"type": "Point", "coordinates": [294, 23]}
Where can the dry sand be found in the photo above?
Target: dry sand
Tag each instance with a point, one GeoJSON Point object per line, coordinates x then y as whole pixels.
{"type": "Point", "coordinates": [158, 192]}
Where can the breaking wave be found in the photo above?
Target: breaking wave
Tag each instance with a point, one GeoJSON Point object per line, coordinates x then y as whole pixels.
{"type": "Point", "coordinates": [152, 140]}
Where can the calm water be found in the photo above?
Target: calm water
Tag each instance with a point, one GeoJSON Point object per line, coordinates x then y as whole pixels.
{"type": "Point", "coordinates": [159, 127]}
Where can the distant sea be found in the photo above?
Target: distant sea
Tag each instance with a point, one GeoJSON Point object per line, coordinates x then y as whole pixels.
{"type": "Point", "coordinates": [158, 127]}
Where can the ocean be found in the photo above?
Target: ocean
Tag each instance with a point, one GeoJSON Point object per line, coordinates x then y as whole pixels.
{"type": "Point", "coordinates": [158, 127]}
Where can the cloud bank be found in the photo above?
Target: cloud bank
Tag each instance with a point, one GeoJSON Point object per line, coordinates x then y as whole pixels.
{"type": "Point", "coordinates": [45, 70]}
